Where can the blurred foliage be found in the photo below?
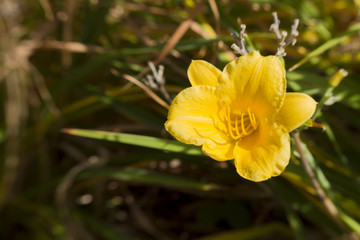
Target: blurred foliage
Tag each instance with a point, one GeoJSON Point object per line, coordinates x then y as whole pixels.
{"type": "Point", "coordinates": [65, 64]}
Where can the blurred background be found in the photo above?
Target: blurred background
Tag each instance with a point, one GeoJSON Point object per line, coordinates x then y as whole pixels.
{"type": "Point", "coordinates": [82, 64]}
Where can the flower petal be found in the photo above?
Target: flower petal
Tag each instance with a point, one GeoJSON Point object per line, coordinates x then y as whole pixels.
{"type": "Point", "coordinates": [203, 73]}
{"type": "Point", "coordinates": [296, 109]}
{"type": "Point", "coordinates": [255, 82]}
{"type": "Point", "coordinates": [219, 152]}
{"type": "Point", "coordinates": [263, 154]}
{"type": "Point", "coordinates": [193, 116]}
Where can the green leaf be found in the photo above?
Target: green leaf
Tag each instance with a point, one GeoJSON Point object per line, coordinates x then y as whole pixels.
{"type": "Point", "coordinates": [134, 111]}
{"type": "Point", "coordinates": [350, 222]}
{"type": "Point", "coordinates": [101, 228]}
{"type": "Point", "coordinates": [301, 201]}
{"type": "Point", "coordinates": [137, 140]}
{"type": "Point", "coordinates": [147, 177]}
{"type": "Point", "coordinates": [327, 45]}
{"type": "Point", "coordinates": [294, 221]}
{"type": "Point", "coordinates": [277, 229]}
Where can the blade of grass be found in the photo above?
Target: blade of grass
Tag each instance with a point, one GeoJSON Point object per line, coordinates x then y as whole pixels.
{"type": "Point", "coordinates": [329, 201]}
{"type": "Point", "coordinates": [318, 179]}
{"type": "Point", "coordinates": [147, 177]}
{"type": "Point", "coordinates": [103, 229]}
{"type": "Point", "coordinates": [342, 184]}
{"type": "Point", "coordinates": [133, 111]}
{"type": "Point", "coordinates": [337, 148]}
{"type": "Point", "coordinates": [137, 140]}
{"type": "Point", "coordinates": [79, 73]}
{"type": "Point", "coordinates": [44, 215]}
{"type": "Point", "coordinates": [327, 45]}
{"type": "Point", "coordinates": [350, 222]}
{"type": "Point", "coordinates": [301, 201]}
{"type": "Point", "coordinates": [294, 222]}
{"type": "Point", "coordinates": [275, 229]}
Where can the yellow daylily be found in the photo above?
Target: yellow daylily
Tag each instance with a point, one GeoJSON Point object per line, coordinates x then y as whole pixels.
{"type": "Point", "coordinates": [241, 113]}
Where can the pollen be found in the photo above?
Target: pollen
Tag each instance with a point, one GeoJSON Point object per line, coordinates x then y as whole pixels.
{"type": "Point", "coordinates": [240, 125]}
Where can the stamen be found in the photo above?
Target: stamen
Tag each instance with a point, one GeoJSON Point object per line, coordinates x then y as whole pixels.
{"type": "Point", "coordinates": [255, 123]}
{"type": "Point", "coordinates": [229, 124]}
{"type": "Point", "coordinates": [242, 124]}
{"type": "Point", "coordinates": [252, 119]}
{"type": "Point", "coordinates": [249, 114]}
{"type": "Point", "coordinates": [248, 128]}
{"type": "Point", "coordinates": [237, 127]}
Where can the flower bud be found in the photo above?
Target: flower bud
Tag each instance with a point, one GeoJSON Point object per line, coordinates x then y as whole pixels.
{"type": "Point", "coordinates": [335, 80]}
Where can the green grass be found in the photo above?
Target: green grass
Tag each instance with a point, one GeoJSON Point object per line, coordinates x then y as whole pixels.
{"type": "Point", "coordinates": [84, 153]}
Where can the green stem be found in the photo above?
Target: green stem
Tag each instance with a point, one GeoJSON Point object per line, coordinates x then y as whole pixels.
{"type": "Point", "coordinates": [328, 93]}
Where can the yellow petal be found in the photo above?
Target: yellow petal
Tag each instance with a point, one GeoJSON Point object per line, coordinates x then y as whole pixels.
{"type": "Point", "coordinates": [264, 154]}
{"type": "Point", "coordinates": [203, 73]}
{"type": "Point", "coordinates": [255, 82]}
{"type": "Point", "coordinates": [296, 109]}
{"type": "Point", "coordinates": [193, 117]}
{"type": "Point", "coordinates": [219, 152]}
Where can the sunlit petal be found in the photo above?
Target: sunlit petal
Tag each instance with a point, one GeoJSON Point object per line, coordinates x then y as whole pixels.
{"type": "Point", "coordinates": [253, 81]}
{"type": "Point", "coordinates": [193, 117]}
{"type": "Point", "coordinates": [203, 73]}
{"type": "Point", "coordinates": [264, 154]}
{"type": "Point", "coordinates": [219, 152]}
{"type": "Point", "coordinates": [296, 109]}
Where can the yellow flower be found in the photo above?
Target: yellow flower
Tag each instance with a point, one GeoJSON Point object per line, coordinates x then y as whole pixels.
{"type": "Point", "coordinates": [242, 113]}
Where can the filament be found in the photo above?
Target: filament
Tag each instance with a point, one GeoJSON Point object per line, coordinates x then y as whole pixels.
{"type": "Point", "coordinates": [240, 125]}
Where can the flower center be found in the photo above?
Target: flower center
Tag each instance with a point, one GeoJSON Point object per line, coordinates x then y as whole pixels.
{"type": "Point", "coordinates": [241, 125]}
